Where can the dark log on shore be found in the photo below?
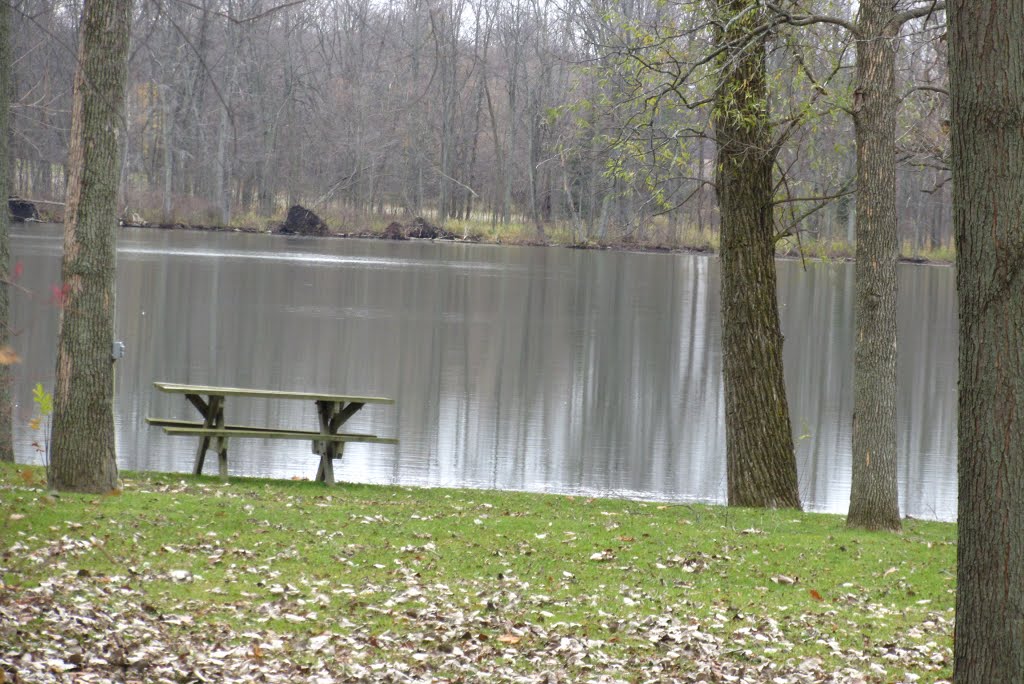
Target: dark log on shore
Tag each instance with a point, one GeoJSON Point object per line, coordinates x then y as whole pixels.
{"type": "Point", "coordinates": [22, 210]}
{"type": "Point", "coordinates": [419, 228]}
{"type": "Point", "coordinates": [302, 221]}
{"type": "Point", "coordinates": [394, 232]}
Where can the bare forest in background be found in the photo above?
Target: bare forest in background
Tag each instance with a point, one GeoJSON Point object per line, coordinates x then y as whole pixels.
{"type": "Point", "coordinates": [499, 112]}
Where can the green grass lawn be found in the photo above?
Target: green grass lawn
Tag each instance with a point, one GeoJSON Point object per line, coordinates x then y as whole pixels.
{"type": "Point", "coordinates": [178, 578]}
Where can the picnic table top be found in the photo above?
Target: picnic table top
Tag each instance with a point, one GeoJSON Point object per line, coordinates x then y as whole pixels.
{"type": "Point", "coordinates": [266, 394]}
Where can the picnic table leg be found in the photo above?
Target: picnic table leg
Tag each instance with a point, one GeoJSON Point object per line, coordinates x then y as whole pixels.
{"type": "Point", "coordinates": [197, 467]}
{"type": "Point", "coordinates": [320, 467]}
{"type": "Point", "coordinates": [213, 416]}
{"type": "Point", "coordinates": [324, 411]}
{"type": "Point", "coordinates": [323, 463]}
{"type": "Point", "coordinates": [222, 446]}
{"type": "Point", "coordinates": [332, 414]}
{"type": "Point", "coordinates": [325, 473]}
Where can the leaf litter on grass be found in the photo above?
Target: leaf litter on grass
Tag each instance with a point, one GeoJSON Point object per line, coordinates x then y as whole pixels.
{"type": "Point", "coordinates": [254, 617]}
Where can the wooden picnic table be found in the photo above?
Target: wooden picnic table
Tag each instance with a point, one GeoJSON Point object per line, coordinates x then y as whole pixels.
{"type": "Point", "coordinates": [333, 411]}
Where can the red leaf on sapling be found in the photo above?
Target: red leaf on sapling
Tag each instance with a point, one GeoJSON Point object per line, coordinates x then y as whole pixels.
{"type": "Point", "coordinates": [59, 294]}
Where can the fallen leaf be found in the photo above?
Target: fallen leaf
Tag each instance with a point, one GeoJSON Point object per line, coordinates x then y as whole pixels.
{"type": "Point", "coordinates": [815, 595]}
{"type": "Point", "coordinates": [810, 665]}
{"type": "Point", "coordinates": [8, 356]}
{"type": "Point", "coordinates": [509, 639]}
{"type": "Point", "coordinates": [784, 579]}
{"type": "Point", "coordinates": [318, 642]}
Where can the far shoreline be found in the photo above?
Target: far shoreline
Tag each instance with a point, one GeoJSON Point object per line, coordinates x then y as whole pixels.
{"type": "Point", "coordinates": [817, 251]}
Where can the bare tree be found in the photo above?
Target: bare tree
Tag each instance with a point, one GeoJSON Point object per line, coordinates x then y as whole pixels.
{"type": "Point", "coordinates": [874, 499]}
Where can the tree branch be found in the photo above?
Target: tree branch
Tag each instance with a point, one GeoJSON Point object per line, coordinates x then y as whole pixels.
{"type": "Point", "coordinates": [255, 17]}
{"type": "Point", "coordinates": [808, 19]}
{"type": "Point", "coordinates": [928, 88]}
{"type": "Point", "coordinates": [918, 12]}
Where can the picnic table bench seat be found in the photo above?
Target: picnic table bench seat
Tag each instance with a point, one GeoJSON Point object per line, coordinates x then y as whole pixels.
{"type": "Point", "coordinates": [194, 427]}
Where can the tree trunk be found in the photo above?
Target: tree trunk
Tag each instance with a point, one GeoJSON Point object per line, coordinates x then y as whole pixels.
{"type": "Point", "coordinates": [987, 107]}
{"type": "Point", "coordinates": [83, 452]}
{"type": "Point", "coordinates": [874, 499]}
{"type": "Point", "coordinates": [474, 140]}
{"type": "Point", "coordinates": [531, 172]}
{"type": "Point", "coordinates": [700, 184]}
{"type": "Point", "coordinates": [222, 180]}
{"type": "Point", "coordinates": [6, 443]}
{"type": "Point", "coordinates": [760, 460]}
{"type": "Point", "coordinates": [167, 129]}
{"type": "Point", "coordinates": [225, 135]}
{"type": "Point", "coordinates": [498, 208]}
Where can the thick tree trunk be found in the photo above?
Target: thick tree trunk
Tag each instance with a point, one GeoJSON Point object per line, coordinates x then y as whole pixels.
{"type": "Point", "coordinates": [6, 443]}
{"type": "Point", "coordinates": [83, 455]}
{"type": "Point", "coordinates": [874, 500]}
{"type": "Point", "coordinates": [987, 107]}
{"type": "Point", "coordinates": [760, 460]}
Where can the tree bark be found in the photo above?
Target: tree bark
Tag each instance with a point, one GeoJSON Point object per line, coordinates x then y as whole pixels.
{"type": "Point", "coordinates": [987, 107]}
{"type": "Point", "coordinates": [83, 451]}
{"type": "Point", "coordinates": [6, 441]}
{"type": "Point", "coordinates": [874, 499]}
{"type": "Point", "coordinates": [760, 459]}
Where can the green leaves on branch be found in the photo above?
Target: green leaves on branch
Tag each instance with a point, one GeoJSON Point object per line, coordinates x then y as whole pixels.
{"type": "Point", "coordinates": [43, 400]}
